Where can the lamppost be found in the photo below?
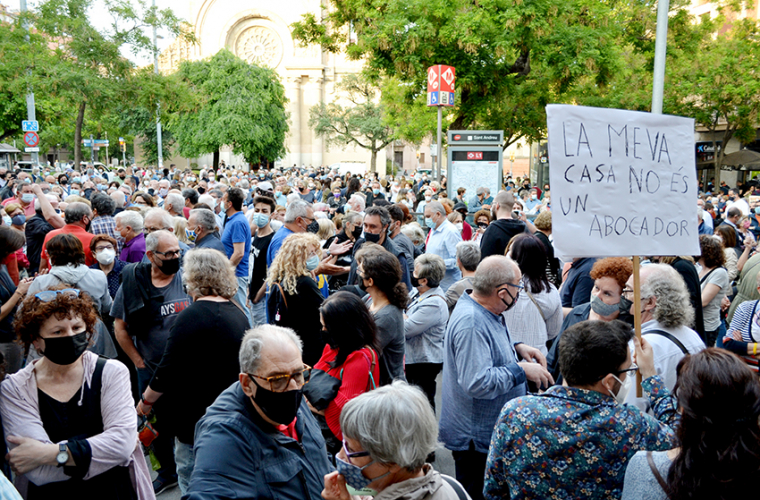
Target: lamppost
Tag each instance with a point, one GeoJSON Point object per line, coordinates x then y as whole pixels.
{"type": "Point", "coordinates": [511, 162]}
{"type": "Point", "coordinates": [58, 154]}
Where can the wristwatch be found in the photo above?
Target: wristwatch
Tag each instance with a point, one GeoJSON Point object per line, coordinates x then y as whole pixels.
{"type": "Point", "coordinates": [63, 455]}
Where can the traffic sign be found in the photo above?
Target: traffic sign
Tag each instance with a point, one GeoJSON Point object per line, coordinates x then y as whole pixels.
{"type": "Point", "coordinates": [31, 139]}
{"type": "Point", "coordinates": [32, 150]}
{"type": "Point", "coordinates": [440, 85]}
{"type": "Point", "coordinates": [30, 126]}
{"type": "Point", "coordinates": [475, 155]}
{"type": "Point", "coordinates": [97, 142]}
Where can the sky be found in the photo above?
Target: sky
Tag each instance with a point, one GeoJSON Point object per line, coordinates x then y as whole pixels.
{"type": "Point", "coordinates": [180, 8]}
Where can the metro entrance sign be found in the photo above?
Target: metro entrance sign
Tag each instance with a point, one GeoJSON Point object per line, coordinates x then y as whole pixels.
{"type": "Point", "coordinates": [440, 85]}
{"type": "Point", "coordinates": [31, 139]}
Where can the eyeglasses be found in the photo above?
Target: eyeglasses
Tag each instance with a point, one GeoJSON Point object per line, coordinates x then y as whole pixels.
{"type": "Point", "coordinates": [168, 255]}
{"type": "Point", "coordinates": [519, 287]}
{"type": "Point", "coordinates": [100, 249]}
{"type": "Point", "coordinates": [279, 383]}
{"type": "Point", "coordinates": [633, 368]}
{"type": "Point", "coordinates": [149, 230]}
{"type": "Point", "coordinates": [353, 454]}
{"type": "Point", "coordinates": [626, 292]}
{"type": "Point", "coordinates": [50, 295]}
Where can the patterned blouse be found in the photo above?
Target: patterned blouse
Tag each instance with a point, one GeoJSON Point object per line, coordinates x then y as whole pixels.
{"type": "Point", "coordinates": [574, 443]}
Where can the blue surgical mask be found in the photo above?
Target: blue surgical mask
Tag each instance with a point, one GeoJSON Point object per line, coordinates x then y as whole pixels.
{"type": "Point", "coordinates": [354, 477]}
{"type": "Point", "coordinates": [429, 222]}
{"type": "Point", "coordinates": [312, 263]}
{"type": "Point", "coordinates": [376, 191]}
{"type": "Point", "coordinates": [27, 197]}
{"type": "Point", "coordinates": [18, 220]}
{"type": "Point", "coordinates": [260, 219]}
{"type": "Point", "coordinates": [73, 192]}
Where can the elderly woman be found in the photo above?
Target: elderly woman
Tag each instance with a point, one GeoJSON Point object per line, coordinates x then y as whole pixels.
{"type": "Point", "coordinates": [294, 296]}
{"type": "Point", "coordinates": [387, 435]}
{"type": "Point", "coordinates": [143, 200]}
{"type": "Point", "coordinates": [425, 324]}
{"type": "Point", "coordinates": [713, 280]}
{"type": "Point", "coordinates": [482, 219]}
{"type": "Point", "coordinates": [68, 417]}
{"type": "Point", "coordinates": [415, 233]}
{"type": "Point", "coordinates": [10, 297]}
{"type": "Point", "coordinates": [379, 275]}
{"type": "Point", "coordinates": [211, 283]}
{"type": "Point", "coordinates": [103, 248]}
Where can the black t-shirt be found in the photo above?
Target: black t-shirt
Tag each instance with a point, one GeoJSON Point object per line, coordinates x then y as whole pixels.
{"type": "Point", "coordinates": [36, 230]}
{"type": "Point", "coordinates": [209, 334]}
{"type": "Point", "coordinates": [258, 259]}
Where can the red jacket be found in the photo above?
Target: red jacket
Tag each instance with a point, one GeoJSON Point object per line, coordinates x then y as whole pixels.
{"type": "Point", "coordinates": [355, 378]}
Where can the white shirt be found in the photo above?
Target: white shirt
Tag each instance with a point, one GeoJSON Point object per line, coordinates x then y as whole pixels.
{"type": "Point", "coordinates": [741, 204]}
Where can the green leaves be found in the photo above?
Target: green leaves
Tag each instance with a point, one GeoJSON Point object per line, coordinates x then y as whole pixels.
{"type": "Point", "coordinates": [231, 102]}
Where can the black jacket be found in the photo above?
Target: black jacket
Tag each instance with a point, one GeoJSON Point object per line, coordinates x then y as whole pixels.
{"type": "Point", "coordinates": [497, 236]}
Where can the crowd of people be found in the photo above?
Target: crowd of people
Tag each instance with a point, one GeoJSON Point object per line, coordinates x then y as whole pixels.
{"type": "Point", "coordinates": [284, 333]}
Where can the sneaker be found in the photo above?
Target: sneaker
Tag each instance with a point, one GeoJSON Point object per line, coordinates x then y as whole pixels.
{"type": "Point", "coordinates": [161, 484]}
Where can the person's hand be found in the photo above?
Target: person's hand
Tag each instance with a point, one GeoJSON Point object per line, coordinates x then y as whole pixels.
{"type": "Point", "coordinates": [23, 286]}
{"type": "Point", "coordinates": [537, 374]}
{"type": "Point", "coordinates": [486, 207]}
{"type": "Point", "coordinates": [37, 190]}
{"type": "Point", "coordinates": [736, 335]}
{"type": "Point", "coordinates": [42, 271]}
{"type": "Point", "coordinates": [340, 248]}
{"type": "Point", "coordinates": [29, 454]}
{"type": "Point", "coordinates": [142, 409]}
{"type": "Point", "coordinates": [327, 266]}
{"type": "Point", "coordinates": [531, 354]}
{"type": "Point", "coordinates": [335, 487]}
{"type": "Point", "coordinates": [522, 216]}
{"type": "Point", "coordinates": [644, 357]}
{"type": "Point", "coordinates": [140, 364]}
{"type": "Point", "coordinates": [725, 303]}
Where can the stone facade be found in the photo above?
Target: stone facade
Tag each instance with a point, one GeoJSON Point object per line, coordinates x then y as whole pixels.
{"type": "Point", "coordinates": [259, 32]}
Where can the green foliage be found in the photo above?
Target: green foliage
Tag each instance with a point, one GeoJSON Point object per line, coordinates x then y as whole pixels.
{"type": "Point", "coordinates": [360, 122]}
{"type": "Point", "coordinates": [141, 123]}
{"type": "Point", "coordinates": [231, 102]}
{"type": "Point", "coordinates": [511, 57]}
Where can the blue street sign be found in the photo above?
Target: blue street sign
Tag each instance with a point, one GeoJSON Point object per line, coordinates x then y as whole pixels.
{"type": "Point", "coordinates": [30, 126]}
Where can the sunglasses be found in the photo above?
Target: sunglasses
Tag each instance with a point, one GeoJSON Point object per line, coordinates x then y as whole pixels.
{"type": "Point", "coordinates": [50, 295]}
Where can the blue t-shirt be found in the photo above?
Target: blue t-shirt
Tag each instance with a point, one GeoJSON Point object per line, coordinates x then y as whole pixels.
{"type": "Point", "coordinates": [277, 240]}
{"type": "Point", "coordinates": [237, 230]}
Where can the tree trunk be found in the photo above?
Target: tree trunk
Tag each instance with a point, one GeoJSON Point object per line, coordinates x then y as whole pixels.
{"type": "Point", "coordinates": [373, 162]}
{"type": "Point", "coordinates": [216, 160]}
{"type": "Point", "coordinates": [78, 136]}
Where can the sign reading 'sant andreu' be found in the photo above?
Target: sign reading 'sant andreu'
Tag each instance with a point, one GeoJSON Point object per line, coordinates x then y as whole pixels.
{"type": "Point", "coordinates": [622, 182]}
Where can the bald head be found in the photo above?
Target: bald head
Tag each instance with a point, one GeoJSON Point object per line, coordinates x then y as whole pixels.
{"type": "Point", "coordinates": [503, 201]}
{"type": "Point", "coordinates": [493, 272]}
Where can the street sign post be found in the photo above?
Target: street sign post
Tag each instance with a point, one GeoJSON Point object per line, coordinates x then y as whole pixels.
{"type": "Point", "coordinates": [440, 90]}
{"type": "Point", "coordinates": [475, 160]}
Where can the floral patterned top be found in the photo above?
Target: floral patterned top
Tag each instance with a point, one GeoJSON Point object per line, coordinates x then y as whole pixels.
{"type": "Point", "coordinates": [574, 443]}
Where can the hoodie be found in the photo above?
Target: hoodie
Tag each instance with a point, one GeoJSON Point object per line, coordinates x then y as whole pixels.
{"type": "Point", "coordinates": [431, 486]}
{"type": "Point", "coordinates": [497, 236]}
{"type": "Point", "coordinates": [81, 277]}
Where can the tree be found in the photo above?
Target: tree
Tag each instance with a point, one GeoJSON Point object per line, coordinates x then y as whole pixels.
{"type": "Point", "coordinates": [360, 124]}
{"type": "Point", "coordinates": [231, 102]}
{"type": "Point", "coordinates": [511, 57]}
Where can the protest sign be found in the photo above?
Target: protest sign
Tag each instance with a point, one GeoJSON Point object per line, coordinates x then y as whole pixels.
{"type": "Point", "coordinates": [622, 182]}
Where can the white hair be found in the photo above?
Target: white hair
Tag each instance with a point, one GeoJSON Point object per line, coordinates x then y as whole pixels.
{"type": "Point", "coordinates": [254, 340]}
{"type": "Point", "coordinates": [299, 208]}
{"type": "Point", "coordinates": [131, 219]}
{"type": "Point", "coordinates": [207, 199]}
{"type": "Point", "coordinates": [360, 200]}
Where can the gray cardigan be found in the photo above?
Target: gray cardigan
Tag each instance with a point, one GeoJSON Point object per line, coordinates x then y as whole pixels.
{"type": "Point", "coordinates": [425, 327]}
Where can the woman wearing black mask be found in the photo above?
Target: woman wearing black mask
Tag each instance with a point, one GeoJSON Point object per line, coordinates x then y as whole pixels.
{"type": "Point", "coordinates": [341, 245]}
{"type": "Point", "coordinates": [349, 356]}
{"type": "Point", "coordinates": [68, 417]}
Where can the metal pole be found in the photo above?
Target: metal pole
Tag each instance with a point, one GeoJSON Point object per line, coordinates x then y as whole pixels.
{"type": "Point", "coordinates": [660, 50]}
{"type": "Point", "coordinates": [106, 150]}
{"type": "Point", "coordinates": [438, 158]}
{"type": "Point", "coordinates": [159, 142]}
{"type": "Point", "coordinates": [92, 150]}
{"type": "Point", "coordinates": [31, 113]}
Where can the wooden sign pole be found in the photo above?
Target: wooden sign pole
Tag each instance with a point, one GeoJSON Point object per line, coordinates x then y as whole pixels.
{"type": "Point", "coordinates": [637, 313]}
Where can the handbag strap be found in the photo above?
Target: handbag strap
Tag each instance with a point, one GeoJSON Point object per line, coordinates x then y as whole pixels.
{"type": "Point", "coordinates": [530, 296]}
{"type": "Point", "coordinates": [372, 365]}
{"type": "Point", "coordinates": [283, 294]}
{"type": "Point", "coordinates": [702, 280]}
{"type": "Point", "coordinates": [670, 337]}
{"type": "Point", "coordinates": [656, 473]}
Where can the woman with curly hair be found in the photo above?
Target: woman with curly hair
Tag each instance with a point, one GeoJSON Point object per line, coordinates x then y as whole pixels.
{"type": "Point", "coordinates": [719, 435]}
{"type": "Point", "coordinates": [380, 276]}
{"type": "Point", "coordinates": [713, 280]}
{"type": "Point", "coordinates": [294, 296]}
{"type": "Point", "coordinates": [210, 281]}
{"type": "Point", "coordinates": [482, 219]}
{"type": "Point", "coordinates": [143, 199]}
{"type": "Point", "coordinates": [69, 417]}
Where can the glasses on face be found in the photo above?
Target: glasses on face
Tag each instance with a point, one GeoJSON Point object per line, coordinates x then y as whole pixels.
{"type": "Point", "coordinates": [168, 255]}
{"type": "Point", "coordinates": [626, 292]}
{"type": "Point", "coordinates": [353, 454]}
{"type": "Point", "coordinates": [519, 287]}
{"type": "Point", "coordinates": [149, 230]}
{"type": "Point", "coordinates": [101, 248]}
{"type": "Point", "coordinates": [50, 295]}
{"type": "Point", "coordinates": [632, 368]}
{"type": "Point", "coordinates": [280, 383]}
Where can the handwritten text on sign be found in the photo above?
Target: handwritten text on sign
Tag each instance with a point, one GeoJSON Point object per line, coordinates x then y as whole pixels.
{"type": "Point", "coordinates": [622, 182]}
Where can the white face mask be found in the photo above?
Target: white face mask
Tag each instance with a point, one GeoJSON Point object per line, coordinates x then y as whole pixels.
{"type": "Point", "coordinates": [459, 226]}
{"type": "Point", "coordinates": [625, 387]}
{"type": "Point", "coordinates": [106, 256]}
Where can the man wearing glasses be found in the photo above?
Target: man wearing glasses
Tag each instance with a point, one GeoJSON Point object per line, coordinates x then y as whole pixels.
{"type": "Point", "coordinates": [150, 298]}
{"type": "Point", "coordinates": [531, 451]}
{"type": "Point", "coordinates": [259, 439]}
{"type": "Point", "coordinates": [483, 369]}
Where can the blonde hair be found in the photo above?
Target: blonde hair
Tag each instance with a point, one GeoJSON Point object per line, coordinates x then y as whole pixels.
{"type": "Point", "coordinates": [326, 229]}
{"type": "Point", "coordinates": [290, 263]}
{"type": "Point", "coordinates": [179, 224]}
{"type": "Point", "coordinates": [208, 272]}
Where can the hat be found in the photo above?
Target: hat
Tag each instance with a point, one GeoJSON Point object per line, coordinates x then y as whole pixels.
{"type": "Point", "coordinates": [265, 186]}
{"type": "Point", "coordinates": [460, 206]}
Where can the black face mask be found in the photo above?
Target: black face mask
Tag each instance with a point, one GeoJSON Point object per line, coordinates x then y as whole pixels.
{"type": "Point", "coordinates": [625, 305]}
{"type": "Point", "coordinates": [281, 407]}
{"type": "Point", "coordinates": [371, 238]}
{"type": "Point", "coordinates": [201, 190]}
{"type": "Point", "coordinates": [65, 350]}
{"type": "Point", "coordinates": [313, 227]}
{"type": "Point", "coordinates": [361, 284]}
{"type": "Point", "coordinates": [169, 266]}
{"type": "Point", "coordinates": [64, 182]}
{"type": "Point", "coordinates": [513, 297]}
{"type": "Point", "coordinates": [357, 232]}
{"type": "Point", "coordinates": [415, 281]}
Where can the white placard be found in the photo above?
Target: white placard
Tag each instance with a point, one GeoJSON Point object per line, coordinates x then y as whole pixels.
{"type": "Point", "coordinates": [622, 182]}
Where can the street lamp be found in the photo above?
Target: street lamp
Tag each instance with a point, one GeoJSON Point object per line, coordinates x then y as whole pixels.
{"type": "Point", "coordinates": [511, 162]}
{"type": "Point", "coordinates": [58, 154]}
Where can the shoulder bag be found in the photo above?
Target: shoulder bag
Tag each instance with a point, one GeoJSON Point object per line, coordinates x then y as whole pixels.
{"type": "Point", "coordinates": [656, 474]}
